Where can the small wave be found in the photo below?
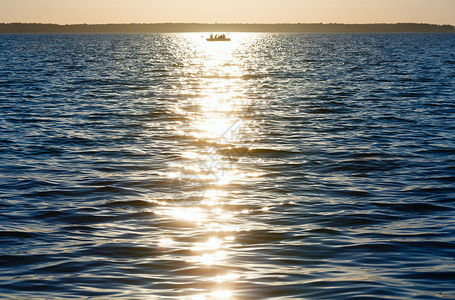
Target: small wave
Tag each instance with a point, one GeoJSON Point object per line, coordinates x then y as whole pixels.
{"type": "Point", "coordinates": [262, 236]}
{"type": "Point", "coordinates": [354, 220]}
{"type": "Point", "coordinates": [254, 76]}
{"type": "Point", "coordinates": [50, 215]}
{"type": "Point", "coordinates": [9, 234]}
{"type": "Point", "coordinates": [267, 152]}
{"type": "Point", "coordinates": [78, 228]}
{"type": "Point", "coordinates": [59, 193]}
{"type": "Point", "coordinates": [130, 203]}
{"type": "Point", "coordinates": [414, 207]}
{"type": "Point", "coordinates": [23, 260]}
{"type": "Point", "coordinates": [324, 111]}
{"type": "Point", "coordinates": [436, 276]}
{"type": "Point", "coordinates": [119, 250]}
{"type": "Point", "coordinates": [325, 231]}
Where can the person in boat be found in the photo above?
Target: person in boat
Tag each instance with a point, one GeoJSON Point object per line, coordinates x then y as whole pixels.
{"type": "Point", "coordinates": [211, 36]}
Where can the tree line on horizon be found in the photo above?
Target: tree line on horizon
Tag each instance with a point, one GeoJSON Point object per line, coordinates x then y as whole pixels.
{"type": "Point", "coordinates": [202, 27]}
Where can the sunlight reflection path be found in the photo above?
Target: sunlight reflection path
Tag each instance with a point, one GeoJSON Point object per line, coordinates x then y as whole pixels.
{"type": "Point", "coordinates": [212, 99]}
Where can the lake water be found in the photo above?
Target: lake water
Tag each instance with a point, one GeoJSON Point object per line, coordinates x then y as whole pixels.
{"type": "Point", "coordinates": [274, 166]}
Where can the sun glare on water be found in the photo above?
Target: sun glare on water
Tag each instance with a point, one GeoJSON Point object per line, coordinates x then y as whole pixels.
{"type": "Point", "coordinates": [211, 125]}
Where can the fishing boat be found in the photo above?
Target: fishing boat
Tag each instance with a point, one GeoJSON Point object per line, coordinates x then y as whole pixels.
{"type": "Point", "coordinates": [218, 38]}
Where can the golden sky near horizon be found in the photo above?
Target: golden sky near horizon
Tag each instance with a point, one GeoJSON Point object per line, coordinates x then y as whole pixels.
{"type": "Point", "coordinates": [227, 11]}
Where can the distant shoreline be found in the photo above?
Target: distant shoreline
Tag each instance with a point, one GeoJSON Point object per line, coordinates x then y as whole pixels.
{"type": "Point", "coordinates": [198, 27]}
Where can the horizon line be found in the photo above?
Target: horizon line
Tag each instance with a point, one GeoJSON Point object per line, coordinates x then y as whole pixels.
{"type": "Point", "coordinates": [229, 23]}
{"type": "Point", "coordinates": [226, 27]}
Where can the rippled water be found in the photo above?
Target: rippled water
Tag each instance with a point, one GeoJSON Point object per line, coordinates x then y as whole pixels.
{"type": "Point", "coordinates": [273, 166]}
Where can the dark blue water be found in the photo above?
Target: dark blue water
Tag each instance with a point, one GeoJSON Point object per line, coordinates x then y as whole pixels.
{"type": "Point", "coordinates": [274, 166]}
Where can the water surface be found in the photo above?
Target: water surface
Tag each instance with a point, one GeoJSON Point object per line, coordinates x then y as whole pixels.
{"type": "Point", "coordinates": [274, 166]}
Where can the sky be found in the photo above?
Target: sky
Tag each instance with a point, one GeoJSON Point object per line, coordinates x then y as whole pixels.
{"type": "Point", "coordinates": [227, 11]}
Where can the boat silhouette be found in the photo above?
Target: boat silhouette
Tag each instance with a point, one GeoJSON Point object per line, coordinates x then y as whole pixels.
{"type": "Point", "coordinates": [218, 38]}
